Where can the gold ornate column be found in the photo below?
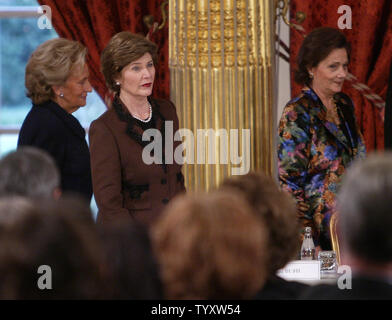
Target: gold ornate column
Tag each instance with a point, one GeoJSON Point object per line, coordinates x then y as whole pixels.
{"type": "Point", "coordinates": [221, 69]}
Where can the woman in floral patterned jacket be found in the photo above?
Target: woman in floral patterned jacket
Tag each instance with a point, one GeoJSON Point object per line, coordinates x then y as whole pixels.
{"type": "Point", "coordinates": [318, 133]}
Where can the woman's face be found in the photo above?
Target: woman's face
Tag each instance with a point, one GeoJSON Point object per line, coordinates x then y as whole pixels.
{"type": "Point", "coordinates": [137, 78]}
{"type": "Point", "coordinates": [74, 90]}
{"type": "Point", "coordinates": [330, 73]}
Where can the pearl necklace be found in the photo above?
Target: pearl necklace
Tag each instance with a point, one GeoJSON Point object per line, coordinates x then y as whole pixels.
{"type": "Point", "coordinates": [149, 117]}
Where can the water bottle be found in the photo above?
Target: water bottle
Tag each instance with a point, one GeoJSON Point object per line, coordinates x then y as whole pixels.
{"type": "Point", "coordinates": [307, 249]}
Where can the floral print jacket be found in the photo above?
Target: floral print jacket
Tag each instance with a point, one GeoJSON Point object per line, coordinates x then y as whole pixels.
{"type": "Point", "coordinates": [313, 154]}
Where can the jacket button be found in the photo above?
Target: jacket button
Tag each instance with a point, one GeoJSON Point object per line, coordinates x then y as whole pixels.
{"type": "Point", "coordinates": [163, 181]}
{"type": "Point", "coordinates": [165, 201]}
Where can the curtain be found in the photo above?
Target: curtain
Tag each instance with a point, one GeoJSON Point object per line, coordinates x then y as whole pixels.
{"type": "Point", "coordinates": [94, 22]}
{"type": "Point", "coordinates": [371, 42]}
{"type": "Point", "coordinates": [388, 114]}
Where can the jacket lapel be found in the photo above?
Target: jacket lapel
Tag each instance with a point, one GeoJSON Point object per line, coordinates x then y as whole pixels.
{"type": "Point", "coordinates": [159, 119]}
{"type": "Point", "coordinates": [333, 128]}
{"type": "Point", "coordinates": [319, 111]}
{"type": "Point", "coordinates": [134, 130]}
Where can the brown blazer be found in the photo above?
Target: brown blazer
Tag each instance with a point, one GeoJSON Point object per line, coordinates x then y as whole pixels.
{"type": "Point", "coordinates": [124, 186]}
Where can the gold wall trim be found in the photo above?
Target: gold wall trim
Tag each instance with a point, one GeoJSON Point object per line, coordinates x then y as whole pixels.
{"type": "Point", "coordinates": [221, 64]}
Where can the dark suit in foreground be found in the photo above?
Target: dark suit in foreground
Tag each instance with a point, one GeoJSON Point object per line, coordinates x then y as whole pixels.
{"type": "Point", "coordinates": [362, 288]}
{"type": "Point", "coordinates": [277, 288]}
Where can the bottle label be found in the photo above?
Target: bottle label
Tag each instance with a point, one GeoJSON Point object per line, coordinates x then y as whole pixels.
{"type": "Point", "coordinates": [308, 254]}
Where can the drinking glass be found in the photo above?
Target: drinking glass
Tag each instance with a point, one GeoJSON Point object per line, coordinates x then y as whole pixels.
{"type": "Point", "coordinates": [328, 262]}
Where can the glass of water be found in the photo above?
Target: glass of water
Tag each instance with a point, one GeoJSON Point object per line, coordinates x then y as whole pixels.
{"type": "Point", "coordinates": [328, 262]}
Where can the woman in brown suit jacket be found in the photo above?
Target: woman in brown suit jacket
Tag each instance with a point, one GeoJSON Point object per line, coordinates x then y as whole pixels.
{"type": "Point", "coordinates": [125, 184]}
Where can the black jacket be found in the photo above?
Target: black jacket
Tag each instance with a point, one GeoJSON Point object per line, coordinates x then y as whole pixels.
{"type": "Point", "coordinates": [362, 288]}
{"type": "Point", "coordinates": [49, 127]}
{"type": "Point", "coordinates": [277, 288]}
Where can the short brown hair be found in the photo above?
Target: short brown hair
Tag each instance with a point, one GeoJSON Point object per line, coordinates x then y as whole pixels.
{"type": "Point", "coordinates": [276, 210]}
{"type": "Point", "coordinates": [122, 49]}
{"type": "Point", "coordinates": [41, 237]}
{"type": "Point", "coordinates": [316, 47]}
{"type": "Point", "coordinates": [210, 246]}
{"type": "Point", "coordinates": [50, 65]}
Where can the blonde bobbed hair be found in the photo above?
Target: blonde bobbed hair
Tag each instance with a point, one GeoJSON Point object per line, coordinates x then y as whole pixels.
{"type": "Point", "coordinates": [50, 65]}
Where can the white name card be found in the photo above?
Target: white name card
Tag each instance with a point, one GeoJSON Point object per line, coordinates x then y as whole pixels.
{"type": "Point", "coordinates": [301, 270]}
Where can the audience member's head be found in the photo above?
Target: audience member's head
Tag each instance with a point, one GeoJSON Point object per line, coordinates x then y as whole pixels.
{"type": "Point", "coordinates": [12, 209]}
{"type": "Point", "coordinates": [276, 210]}
{"type": "Point", "coordinates": [130, 265]}
{"type": "Point", "coordinates": [29, 172]}
{"type": "Point", "coordinates": [41, 240]}
{"type": "Point", "coordinates": [365, 219]}
{"type": "Point", "coordinates": [74, 206]}
{"type": "Point", "coordinates": [210, 246]}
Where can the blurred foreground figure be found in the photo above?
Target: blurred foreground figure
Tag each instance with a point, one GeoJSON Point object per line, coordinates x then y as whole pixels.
{"type": "Point", "coordinates": [210, 246]}
{"type": "Point", "coordinates": [276, 210]}
{"type": "Point", "coordinates": [364, 227]}
{"type": "Point", "coordinates": [46, 255]}
{"type": "Point", "coordinates": [12, 209]}
{"type": "Point", "coordinates": [129, 262]}
{"type": "Point", "coordinates": [29, 172]}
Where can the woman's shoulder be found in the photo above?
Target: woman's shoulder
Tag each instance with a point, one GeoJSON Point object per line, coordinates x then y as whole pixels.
{"type": "Point", "coordinates": [42, 116]}
{"type": "Point", "coordinates": [107, 117]}
{"type": "Point", "coordinates": [343, 100]}
{"type": "Point", "coordinates": [305, 99]}
{"type": "Point", "coordinates": [165, 107]}
{"type": "Point", "coordinates": [42, 111]}
{"type": "Point", "coordinates": [301, 104]}
{"type": "Point", "coordinates": [163, 103]}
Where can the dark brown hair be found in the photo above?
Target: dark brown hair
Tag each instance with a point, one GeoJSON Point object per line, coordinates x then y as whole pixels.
{"type": "Point", "coordinates": [210, 246]}
{"type": "Point", "coordinates": [46, 238]}
{"type": "Point", "coordinates": [316, 47]}
{"type": "Point", "coordinates": [276, 210]}
{"type": "Point", "coordinates": [130, 265]}
{"type": "Point", "coordinates": [124, 48]}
